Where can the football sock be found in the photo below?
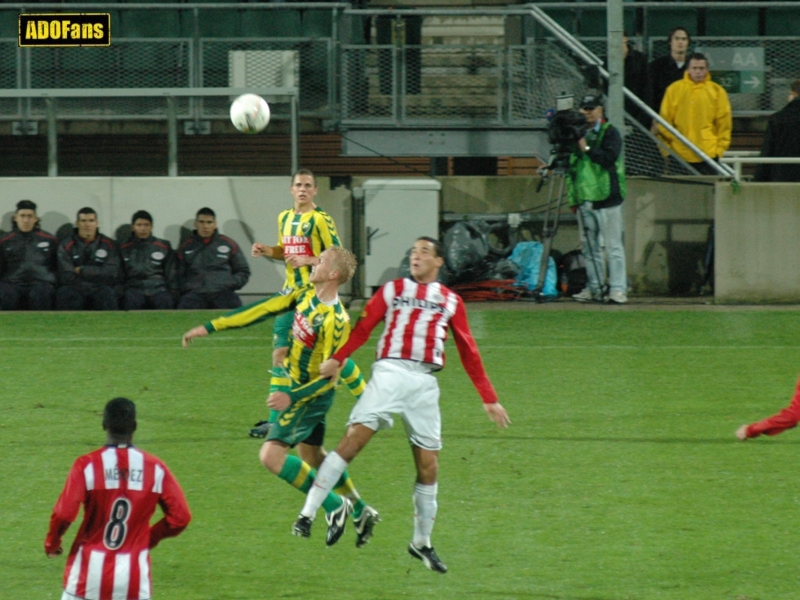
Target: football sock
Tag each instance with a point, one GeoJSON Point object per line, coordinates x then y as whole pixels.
{"type": "Point", "coordinates": [345, 487]}
{"type": "Point", "coordinates": [297, 473]}
{"type": "Point", "coordinates": [279, 382]}
{"type": "Point", "coordinates": [300, 475]}
{"type": "Point", "coordinates": [329, 473]}
{"type": "Point", "coordinates": [424, 513]}
{"type": "Point", "coordinates": [358, 507]}
{"type": "Point", "coordinates": [352, 377]}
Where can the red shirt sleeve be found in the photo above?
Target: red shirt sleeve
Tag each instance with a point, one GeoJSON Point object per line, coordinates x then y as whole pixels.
{"type": "Point", "coordinates": [470, 357]}
{"type": "Point", "coordinates": [373, 313]}
{"type": "Point", "coordinates": [67, 507]}
{"type": "Point", "coordinates": [176, 511]}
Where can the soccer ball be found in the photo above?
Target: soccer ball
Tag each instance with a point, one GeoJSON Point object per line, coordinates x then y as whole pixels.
{"type": "Point", "coordinates": [250, 113]}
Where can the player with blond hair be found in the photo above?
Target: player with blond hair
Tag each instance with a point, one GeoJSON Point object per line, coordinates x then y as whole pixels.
{"type": "Point", "coordinates": [320, 327]}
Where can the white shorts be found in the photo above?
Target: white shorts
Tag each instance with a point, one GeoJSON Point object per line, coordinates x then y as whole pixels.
{"type": "Point", "coordinates": [406, 388]}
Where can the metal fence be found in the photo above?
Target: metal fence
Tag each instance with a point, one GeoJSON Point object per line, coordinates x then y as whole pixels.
{"type": "Point", "coordinates": [194, 54]}
{"type": "Point", "coordinates": [410, 85]}
{"type": "Point", "coordinates": [757, 83]}
{"type": "Point", "coordinates": [352, 69]}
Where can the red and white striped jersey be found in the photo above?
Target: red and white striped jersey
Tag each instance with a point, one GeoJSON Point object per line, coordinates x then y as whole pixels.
{"type": "Point", "coordinates": [119, 488]}
{"type": "Point", "coordinates": [416, 318]}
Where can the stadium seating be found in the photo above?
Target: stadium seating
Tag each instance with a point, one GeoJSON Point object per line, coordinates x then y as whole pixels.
{"type": "Point", "coordinates": [782, 22]}
{"type": "Point", "coordinates": [148, 24]}
{"type": "Point", "coordinates": [217, 23]}
{"type": "Point", "coordinates": [661, 20]}
{"type": "Point", "coordinates": [8, 25]}
{"type": "Point", "coordinates": [317, 23]}
{"type": "Point", "coordinates": [593, 22]}
{"type": "Point", "coordinates": [731, 21]}
{"type": "Point", "coordinates": [271, 23]}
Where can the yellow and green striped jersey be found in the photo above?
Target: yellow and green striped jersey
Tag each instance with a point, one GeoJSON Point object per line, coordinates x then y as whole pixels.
{"type": "Point", "coordinates": [318, 330]}
{"type": "Point", "coordinates": [306, 234]}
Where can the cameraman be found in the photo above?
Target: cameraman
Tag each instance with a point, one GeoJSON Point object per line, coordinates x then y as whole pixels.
{"type": "Point", "coordinates": [596, 188]}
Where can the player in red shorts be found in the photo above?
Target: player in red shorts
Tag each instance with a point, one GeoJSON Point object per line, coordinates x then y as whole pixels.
{"type": "Point", "coordinates": [119, 487]}
{"type": "Point", "coordinates": [417, 312]}
{"type": "Point", "coordinates": [786, 419]}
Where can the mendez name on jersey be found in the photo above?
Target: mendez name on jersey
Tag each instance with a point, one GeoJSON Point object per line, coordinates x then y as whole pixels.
{"type": "Point", "coordinates": [130, 475]}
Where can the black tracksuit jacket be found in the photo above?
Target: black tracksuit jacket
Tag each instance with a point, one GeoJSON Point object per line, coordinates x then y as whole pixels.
{"type": "Point", "coordinates": [28, 258]}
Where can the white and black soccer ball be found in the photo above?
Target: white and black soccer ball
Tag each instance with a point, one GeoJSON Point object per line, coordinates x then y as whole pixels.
{"type": "Point", "coordinates": [250, 113]}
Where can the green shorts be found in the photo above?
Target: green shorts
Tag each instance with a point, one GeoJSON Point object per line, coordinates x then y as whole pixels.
{"type": "Point", "coordinates": [303, 421]}
{"type": "Point", "coordinates": [282, 330]}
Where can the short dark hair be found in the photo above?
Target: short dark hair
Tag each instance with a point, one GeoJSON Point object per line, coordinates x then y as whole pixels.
{"type": "Point", "coordinates": [206, 211]}
{"type": "Point", "coordinates": [795, 87]}
{"type": "Point", "coordinates": [26, 205]}
{"type": "Point", "coordinates": [696, 56]}
{"type": "Point", "coordinates": [437, 245]}
{"type": "Point", "coordinates": [86, 210]}
{"type": "Point", "coordinates": [119, 416]}
{"type": "Point", "coordinates": [679, 28]}
{"type": "Point", "coordinates": [304, 172]}
{"type": "Point", "coordinates": [141, 214]}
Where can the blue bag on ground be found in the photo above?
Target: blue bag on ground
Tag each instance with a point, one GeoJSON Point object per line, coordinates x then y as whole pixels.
{"type": "Point", "coordinates": [528, 256]}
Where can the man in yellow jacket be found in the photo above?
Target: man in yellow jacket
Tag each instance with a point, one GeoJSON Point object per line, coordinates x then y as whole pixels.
{"type": "Point", "coordinates": [700, 110]}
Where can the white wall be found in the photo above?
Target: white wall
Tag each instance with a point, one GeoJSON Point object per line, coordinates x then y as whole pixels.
{"type": "Point", "coordinates": [757, 250]}
{"type": "Point", "coordinates": [246, 207]}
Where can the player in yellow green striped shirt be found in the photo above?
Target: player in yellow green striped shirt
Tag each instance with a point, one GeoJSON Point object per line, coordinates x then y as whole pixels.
{"type": "Point", "coordinates": [320, 327]}
{"type": "Point", "coordinates": [304, 231]}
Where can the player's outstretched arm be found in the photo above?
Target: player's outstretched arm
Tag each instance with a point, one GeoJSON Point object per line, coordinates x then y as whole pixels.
{"type": "Point", "coordinates": [199, 331]}
{"type": "Point", "coordinates": [497, 414]}
{"type": "Point", "coordinates": [259, 249]}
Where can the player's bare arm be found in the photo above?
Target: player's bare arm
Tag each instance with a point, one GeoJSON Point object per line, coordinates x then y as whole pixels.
{"type": "Point", "coordinates": [188, 337]}
{"type": "Point", "coordinates": [297, 261]}
{"type": "Point", "coordinates": [497, 414]}
{"type": "Point", "coordinates": [259, 249]}
{"type": "Point", "coordinates": [329, 368]}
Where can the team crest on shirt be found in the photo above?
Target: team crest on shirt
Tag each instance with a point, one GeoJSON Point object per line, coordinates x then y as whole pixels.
{"type": "Point", "coordinates": [318, 321]}
{"type": "Point", "coordinates": [438, 298]}
{"type": "Point", "coordinates": [157, 256]}
{"type": "Point", "coordinates": [101, 253]}
{"type": "Point", "coordinates": [303, 331]}
{"type": "Point", "coordinates": [306, 227]}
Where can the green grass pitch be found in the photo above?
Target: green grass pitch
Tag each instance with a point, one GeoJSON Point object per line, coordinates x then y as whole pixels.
{"type": "Point", "coordinates": [619, 478]}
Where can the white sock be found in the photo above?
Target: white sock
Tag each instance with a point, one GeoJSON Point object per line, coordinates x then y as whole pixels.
{"type": "Point", "coordinates": [424, 513]}
{"type": "Point", "coordinates": [328, 474]}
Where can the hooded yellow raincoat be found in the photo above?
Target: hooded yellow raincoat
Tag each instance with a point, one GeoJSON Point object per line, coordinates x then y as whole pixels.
{"type": "Point", "coordinates": [701, 112]}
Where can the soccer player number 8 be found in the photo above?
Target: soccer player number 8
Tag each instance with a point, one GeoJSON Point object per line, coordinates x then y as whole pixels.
{"type": "Point", "coordinates": [116, 530]}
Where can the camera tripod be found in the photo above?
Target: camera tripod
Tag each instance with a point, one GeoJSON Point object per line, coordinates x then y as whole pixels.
{"type": "Point", "coordinates": [556, 173]}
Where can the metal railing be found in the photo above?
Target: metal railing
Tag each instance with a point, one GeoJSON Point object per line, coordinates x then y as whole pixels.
{"type": "Point", "coordinates": [169, 97]}
{"type": "Point", "coordinates": [347, 79]}
{"type": "Point", "coordinates": [738, 158]}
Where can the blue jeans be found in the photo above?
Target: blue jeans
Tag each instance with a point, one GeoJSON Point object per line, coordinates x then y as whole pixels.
{"type": "Point", "coordinates": [603, 229]}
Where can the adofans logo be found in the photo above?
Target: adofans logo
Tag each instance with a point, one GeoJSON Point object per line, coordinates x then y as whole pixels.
{"type": "Point", "coordinates": [64, 29]}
